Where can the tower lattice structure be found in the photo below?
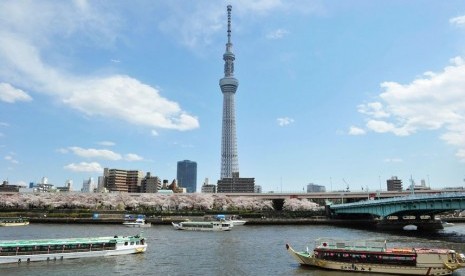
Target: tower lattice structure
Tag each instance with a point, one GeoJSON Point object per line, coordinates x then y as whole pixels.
{"type": "Point", "coordinates": [228, 85]}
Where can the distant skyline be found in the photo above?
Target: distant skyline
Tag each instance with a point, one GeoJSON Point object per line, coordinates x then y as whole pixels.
{"type": "Point", "coordinates": [331, 93]}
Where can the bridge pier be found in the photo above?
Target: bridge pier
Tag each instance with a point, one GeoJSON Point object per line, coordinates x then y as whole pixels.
{"type": "Point", "coordinates": [421, 224]}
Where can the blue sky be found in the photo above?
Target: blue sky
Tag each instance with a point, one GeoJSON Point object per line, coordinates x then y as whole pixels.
{"type": "Point", "coordinates": [330, 92]}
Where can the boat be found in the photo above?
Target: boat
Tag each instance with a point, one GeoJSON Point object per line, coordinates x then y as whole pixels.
{"type": "Point", "coordinates": [237, 222]}
{"type": "Point", "coordinates": [17, 251]}
{"type": "Point", "coordinates": [447, 224]}
{"type": "Point", "coordinates": [138, 223]}
{"type": "Point", "coordinates": [376, 257]}
{"type": "Point", "coordinates": [410, 227]}
{"type": "Point", "coordinates": [233, 219]}
{"type": "Point", "coordinates": [203, 225]}
{"type": "Point", "coordinates": [14, 221]}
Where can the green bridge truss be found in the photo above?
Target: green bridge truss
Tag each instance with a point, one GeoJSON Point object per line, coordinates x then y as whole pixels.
{"type": "Point", "coordinates": [415, 205]}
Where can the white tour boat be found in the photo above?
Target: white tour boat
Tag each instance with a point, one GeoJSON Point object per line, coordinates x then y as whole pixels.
{"type": "Point", "coordinates": [376, 257]}
{"type": "Point", "coordinates": [17, 251]}
{"type": "Point", "coordinates": [138, 223]}
{"type": "Point", "coordinates": [233, 219]}
{"type": "Point", "coordinates": [16, 221]}
{"type": "Point", "coordinates": [203, 225]}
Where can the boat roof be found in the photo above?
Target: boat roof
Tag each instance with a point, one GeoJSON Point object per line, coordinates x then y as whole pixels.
{"type": "Point", "coordinates": [10, 243]}
{"type": "Point", "coordinates": [361, 245]}
{"type": "Point", "coordinates": [373, 246]}
{"type": "Point", "coordinates": [203, 222]}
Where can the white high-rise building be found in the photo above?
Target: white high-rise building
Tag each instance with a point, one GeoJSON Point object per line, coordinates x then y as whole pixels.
{"type": "Point", "coordinates": [88, 186]}
{"type": "Point", "coordinates": [228, 85]}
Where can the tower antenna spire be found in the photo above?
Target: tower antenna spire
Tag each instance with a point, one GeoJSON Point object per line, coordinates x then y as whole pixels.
{"type": "Point", "coordinates": [229, 23]}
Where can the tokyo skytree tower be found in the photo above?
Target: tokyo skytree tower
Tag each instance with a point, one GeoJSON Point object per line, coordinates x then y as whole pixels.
{"type": "Point", "coordinates": [228, 84]}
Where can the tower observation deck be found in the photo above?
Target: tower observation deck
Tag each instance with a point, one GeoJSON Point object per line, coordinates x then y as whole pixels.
{"type": "Point", "coordinates": [228, 85]}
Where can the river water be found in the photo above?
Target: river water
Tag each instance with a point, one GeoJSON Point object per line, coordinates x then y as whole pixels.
{"type": "Point", "coordinates": [246, 250]}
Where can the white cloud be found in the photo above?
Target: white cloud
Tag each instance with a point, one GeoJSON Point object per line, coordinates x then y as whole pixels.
{"type": "Point", "coordinates": [96, 153]}
{"type": "Point", "coordinates": [277, 34]}
{"type": "Point", "coordinates": [84, 167]}
{"type": "Point", "coordinates": [23, 42]}
{"type": "Point", "coordinates": [11, 159]}
{"type": "Point", "coordinates": [458, 21]}
{"type": "Point", "coordinates": [284, 121]}
{"type": "Point", "coordinates": [154, 132]}
{"type": "Point", "coordinates": [431, 102]}
{"type": "Point", "coordinates": [374, 110]}
{"type": "Point", "coordinates": [62, 150]}
{"type": "Point", "coordinates": [461, 155]}
{"type": "Point", "coordinates": [133, 157]}
{"type": "Point", "coordinates": [10, 94]}
{"type": "Point", "coordinates": [393, 160]}
{"type": "Point", "coordinates": [106, 143]}
{"type": "Point", "coordinates": [356, 131]}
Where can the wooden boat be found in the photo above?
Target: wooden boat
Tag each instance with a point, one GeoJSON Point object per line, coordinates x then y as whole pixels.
{"type": "Point", "coordinates": [17, 251]}
{"type": "Point", "coordinates": [376, 257]}
{"type": "Point", "coordinates": [138, 223]}
{"type": "Point", "coordinates": [14, 221]}
{"type": "Point", "coordinates": [203, 225]}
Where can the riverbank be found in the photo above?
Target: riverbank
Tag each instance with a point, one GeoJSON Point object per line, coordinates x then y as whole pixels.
{"type": "Point", "coordinates": [169, 220]}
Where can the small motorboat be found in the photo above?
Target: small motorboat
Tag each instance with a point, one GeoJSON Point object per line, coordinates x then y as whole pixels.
{"type": "Point", "coordinates": [138, 223]}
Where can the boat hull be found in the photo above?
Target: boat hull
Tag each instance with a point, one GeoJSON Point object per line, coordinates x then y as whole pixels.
{"type": "Point", "coordinates": [180, 226]}
{"type": "Point", "coordinates": [307, 259]}
{"type": "Point", "coordinates": [72, 255]}
{"type": "Point", "coordinates": [6, 224]}
{"type": "Point", "coordinates": [146, 225]}
{"type": "Point", "coordinates": [238, 222]}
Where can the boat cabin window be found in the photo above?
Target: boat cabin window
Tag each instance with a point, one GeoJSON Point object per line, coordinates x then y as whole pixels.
{"type": "Point", "coordinates": [364, 257]}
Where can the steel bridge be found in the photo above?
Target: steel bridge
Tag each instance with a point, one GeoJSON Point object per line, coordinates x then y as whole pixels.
{"type": "Point", "coordinates": [411, 205]}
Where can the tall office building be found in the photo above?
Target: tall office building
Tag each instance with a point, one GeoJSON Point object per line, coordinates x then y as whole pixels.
{"type": "Point", "coordinates": [228, 85]}
{"type": "Point", "coordinates": [187, 175]}
{"type": "Point", "coordinates": [122, 180]}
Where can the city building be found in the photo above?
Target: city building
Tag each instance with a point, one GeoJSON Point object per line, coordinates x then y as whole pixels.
{"type": "Point", "coordinates": [229, 180]}
{"type": "Point", "coordinates": [67, 188]}
{"type": "Point", "coordinates": [394, 184]}
{"type": "Point", "coordinates": [314, 188]}
{"type": "Point", "coordinates": [6, 187]}
{"type": "Point", "coordinates": [150, 184]}
{"type": "Point", "coordinates": [258, 189]}
{"type": "Point", "coordinates": [134, 179]}
{"type": "Point", "coordinates": [208, 188]}
{"type": "Point", "coordinates": [122, 180]}
{"type": "Point", "coordinates": [88, 185]}
{"type": "Point", "coordinates": [187, 175]}
{"type": "Point", "coordinates": [101, 185]}
{"type": "Point", "coordinates": [236, 184]}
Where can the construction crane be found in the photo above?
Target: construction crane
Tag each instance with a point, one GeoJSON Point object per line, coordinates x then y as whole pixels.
{"type": "Point", "coordinates": [347, 189]}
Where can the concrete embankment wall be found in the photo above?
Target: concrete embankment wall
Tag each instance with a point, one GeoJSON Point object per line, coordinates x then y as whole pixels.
{"type": "Point", "coordinates": [161, 221]}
